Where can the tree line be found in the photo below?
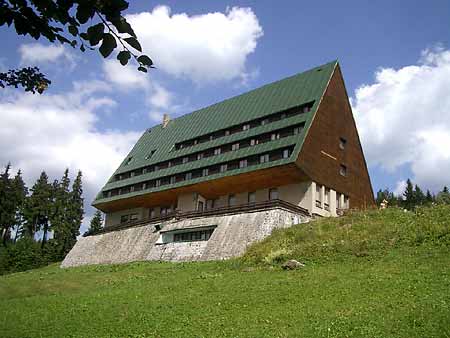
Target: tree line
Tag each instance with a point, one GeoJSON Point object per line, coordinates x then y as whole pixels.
{"type": "Point", "coordinates": [39, 225]}
{"type": "Point", "coordinates": [413, 196]}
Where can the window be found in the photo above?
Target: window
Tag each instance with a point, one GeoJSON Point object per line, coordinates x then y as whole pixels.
{"type": "Point", "coordinates": [223, 168]}
{"type": "Point", "coordinates": [188, 176]}
{"type": "Point", "coordinates": [327, 199]}
{"type": "Point", "coordinates": [297, 130]}
{"type": "Point", "coordinates": [156, 167]}
{"type": "Point", "coordinates": [150, 154]}
{"type": "Point", "coordinates": [133, 217]}
{"type": "Point", "coordinates": [318, 196]}
{"type": "Point", "coordinates": [251, 197]}
{"type": "Point", "coordinates": [217, 151]}
{"type": "Point", "coordinates": [274, 136]}
{"type": "Point", "coordinates": [201, 235]}
{"type": "Point", "coordinates": [199, 156]}
{"type": "Point", "coordinates": [166, 211]}
{"type": "Point", "coordinates": [210, 204]}
{"type": "Point", "coordinates": [231, 200]}
{"type": "Point", "coordinates": [132, 188]}
{"type": "Point", "coordinates": [158, 183]}
{"type": "Point", "coordinates": [235, 146]}
{"type": "Point", "coordinates": [346, 202]}
{"type": "Point", "coordinates": [273, 194]}
{"type": "Point", "coordinates": [342, 143]}
{"type": "Point", "coordinates": [123, 218]}
{"type": "Point", "coordinates": [243, 163]}
{"type": "Point", "coordinates": [264, 122]}
{"type": "Point", "coordinates": [200, 206]}
{"type": "Point", "coordinates": [306, 109]}
{"type": "Point", "coordinates": [205, 172]}
{"type": "Point", "coordinates": [185, 160]}
{"type": "Point", "coordinates": [246, 127]}
{"type": "Point", "coordinates": [253, 142]}
{"type": "Point", "coordinates": [227, 132]}
{"type": "Point", "coordinates": [151, 213]}
{"type": "Point", "coordinates": [264, 158]}
{"type": "Point", "coordinates": [286, 153]}
{"type": "Point", "coordinates": [282, 116]}
{"type": "Point", "coordinates": [129, 159]}
{"type": "Point", "coordinates": [343, 170]}
{"type": "Point", "coordinates": [172, 179]}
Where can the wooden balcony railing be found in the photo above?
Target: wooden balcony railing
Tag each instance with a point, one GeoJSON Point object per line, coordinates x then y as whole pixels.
{"type": "Point", "coordinates": [229, 210]}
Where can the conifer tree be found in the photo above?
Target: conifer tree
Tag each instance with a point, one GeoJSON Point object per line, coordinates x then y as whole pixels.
{"type": "Point", "coordinates": [96, 224]}
{"type": "Point", "coordinates": [7, 205]}
{"type": "Point", "coordinates": [60, 219]}
{"type": "Point", "coordinates": [429, 197]}
{"type": "Point", "coordinates": [443, 197]}
{"type": "Point", "coordinates": [20, 194]}
{"type": "Point", "coordinates": [38, 206]}
{"type": "Point", "coordinates": [419, 197]}
{"type": "Point", "coordinates": [409, 201]}
{"type": "Point", "coordinates": [76, 212]}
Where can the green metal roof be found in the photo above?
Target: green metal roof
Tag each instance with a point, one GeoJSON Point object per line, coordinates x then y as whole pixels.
{"type": "Point", "coordinates": [275, 97]}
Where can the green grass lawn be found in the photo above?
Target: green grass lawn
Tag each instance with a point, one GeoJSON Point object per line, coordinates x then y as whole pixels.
{"type": "Point", "coordinates": [398, 288]}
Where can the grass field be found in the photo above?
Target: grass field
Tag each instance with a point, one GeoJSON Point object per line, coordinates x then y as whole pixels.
{"type": "Point", "coordinates": [367, 275]}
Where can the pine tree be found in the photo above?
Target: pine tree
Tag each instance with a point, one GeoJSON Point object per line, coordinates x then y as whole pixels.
{"type": "Point", "coordinates": [76, 212]}
{"type": "Point", "coordinates": [60, 217]}
{"type": "Point", "coordinates": [409, 201]}
{"type": "Point", "coordinates": [443, 197]}
{"type": "Point", "coordinates": [96, 224]}
{"type": "Point", "coordinates": [419, 197]}
{"type": "Point", "coordinates": [38, 206]}
{"type": "Point", "coordinates": [7, 205]}
{"type": "Point", "coordinates": [21, 192]}
{"type": "Point", "coordinates": [429, 199]}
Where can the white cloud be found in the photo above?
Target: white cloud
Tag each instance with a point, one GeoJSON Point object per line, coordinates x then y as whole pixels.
{"type": "Point", "coordinates": [52, 132]}
{"type": "Point", "coordinates": [38, 53]}
{"type": "Point", "coordinates": [404, 118]}
{"type": "Point", "coordinates": [204, 48]}
{"type": "Point", "coordinates": [125, 77]}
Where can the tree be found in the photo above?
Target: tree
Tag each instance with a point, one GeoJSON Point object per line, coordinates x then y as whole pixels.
{"type": "Point", "coordinates": [20, 194]}
{"type": "Point", "coordinates": [76, 212]}
{"type": "Point", "coordinates": [419, 197]}
{"type": "Point", "coordinates": [409, 195]}
{"type": "Point", "coordinates": [65, 22]}
{"type": "Point", "coordinates": [60, 218]}
{"type": "Point", "coordinates": [37, 208]}
{"type": "Point", "coordinates": [443, 197]}
{"type": "Point", "coordinates": [429, 198]}
{"type": "Point", "coordinates": [7, 204]}
{"type": "Point", "coordinates": [96, 224]}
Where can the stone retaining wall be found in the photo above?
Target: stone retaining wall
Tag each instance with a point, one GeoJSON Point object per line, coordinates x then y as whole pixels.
{"type": "Point", "coordinates": [234, 233]}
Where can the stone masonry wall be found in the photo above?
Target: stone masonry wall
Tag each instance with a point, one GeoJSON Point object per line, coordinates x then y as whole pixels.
{"type": "Point", "coordinates": [234, 233]}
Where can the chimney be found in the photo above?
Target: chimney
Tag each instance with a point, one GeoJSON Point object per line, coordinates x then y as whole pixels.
{"type": "Point", "coordinates": [165, 120]}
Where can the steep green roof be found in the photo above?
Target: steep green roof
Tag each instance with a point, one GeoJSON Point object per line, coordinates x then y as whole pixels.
{"type": "Point", "coordinates": [278, 96]}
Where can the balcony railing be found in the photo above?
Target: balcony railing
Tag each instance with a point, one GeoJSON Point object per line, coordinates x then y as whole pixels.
{"type": "Point", "coordinates": [228, 210]}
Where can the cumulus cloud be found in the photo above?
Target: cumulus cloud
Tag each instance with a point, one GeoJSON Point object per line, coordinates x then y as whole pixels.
{"type": "Point", "coordinates": [38, 53]}
{"type": "Point", "coordinates": [404, 118]}
{"type": "Point", "coordinates": [125, 78]}
{"type": "Point", "coordinates": [205, 48]}
{"type": "Point", "coordinates": [52, 132]}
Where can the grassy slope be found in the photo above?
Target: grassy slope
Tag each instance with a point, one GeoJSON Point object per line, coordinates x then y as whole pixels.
{"type": "Point", "coordinates": [367, 275]}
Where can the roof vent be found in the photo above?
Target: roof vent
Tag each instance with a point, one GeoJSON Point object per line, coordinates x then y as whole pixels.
{"type": "Point", "coordinates": [165, 120]}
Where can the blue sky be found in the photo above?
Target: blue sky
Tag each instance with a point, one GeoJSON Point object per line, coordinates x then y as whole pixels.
{"type": "Point", "coordinates": [395, 56]}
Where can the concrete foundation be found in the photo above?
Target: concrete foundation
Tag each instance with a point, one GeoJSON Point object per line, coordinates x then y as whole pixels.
{"type": "Point", "coordinates": [232, 235]}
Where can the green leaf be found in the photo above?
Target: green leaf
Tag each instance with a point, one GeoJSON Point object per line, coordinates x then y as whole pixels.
{"type": "Point", "coordinates": [84, 36]}
{"type": "Point", "coordinates": [133, 42]}
{"type": "Point", "coordinates": [73, 30]}
{"type": "Point", "coordinates": [95, 33]}
{"type": "Point", "coordinates": [123, 26]}
{"type": "Point", "coordinates": [82, 48]}
{"type": "Point", "coordinates": [142, 69]}
{"type": "Point", "coordinates": [85, 12]}
{"type": "Point", "coordinates": [145, 60]}
{"type": "Point", "coordinates": [123, 57]}
{"type": "Point", "coordinates": [108, 45]}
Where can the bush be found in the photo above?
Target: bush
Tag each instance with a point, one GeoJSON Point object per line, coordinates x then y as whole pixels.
{"type": "Point", "coordinates": [25, 254]}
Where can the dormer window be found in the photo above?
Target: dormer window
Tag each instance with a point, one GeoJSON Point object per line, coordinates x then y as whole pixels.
{"type": "Point", "coordinates": [150, 154]}
{"type": "Point", "coordinates": [129, 159]}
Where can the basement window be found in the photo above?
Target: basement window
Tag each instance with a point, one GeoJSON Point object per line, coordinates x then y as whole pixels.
{"type": "Point", "coordinates": [343, 170]}
{"type": "Point", "coordinates": [342, 143]}
{"type": "Point", "coordinates": [191, 236]}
